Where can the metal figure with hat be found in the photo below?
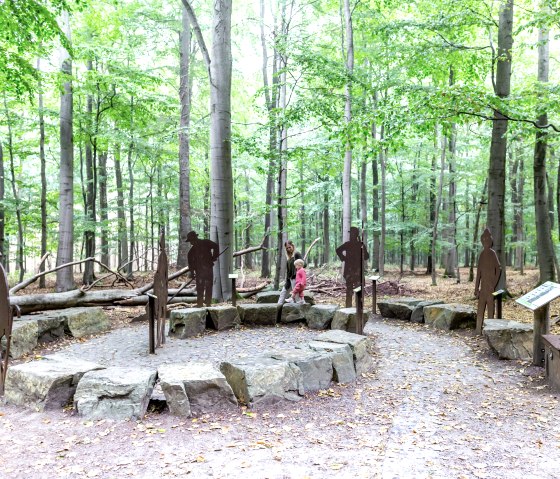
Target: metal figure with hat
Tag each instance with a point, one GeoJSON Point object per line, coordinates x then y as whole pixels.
{"type": "Point", "coordinates": [488, 274]}
{"type": "Point", "coordinates": [6, 322]}
{"type": "Point", "coordinates": [201, 257]}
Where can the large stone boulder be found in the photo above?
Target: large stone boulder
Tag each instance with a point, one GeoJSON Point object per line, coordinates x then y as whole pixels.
{"type": "Point", "coordinates": [187, 323]}
{"type": "Point", "coordinates": [223, 317]}
{"type": "Point", "coordinates": [359, 344]}
{"type": "Point", "coordinates": [342, 359]}
{"type": "Point", "coordinates": [258, 314]}
{"type": "Point", "coordinates": [195, 388]}
{"type": "Point", "coordinates": [48, 383]}
{"type": "Point", "coordinates": [25, 337]}
{"type": "Point", "coordinates": [450, 316]}
{"type": "Point", "coordinates": [418, 313]}
{"type": "Point", "coordinates": [344, 319]}
{"type": "Point", "coordinates": [263, 380]}
{"type": "Point", "coordinates": [316, 367]}
{"type": "Point", "coordinates": [268, 297]}
{"type": "Point", "coordinates": [509, 339]}
{"type": "Point", "coordinates": [400, 308]}
{"type": "Point", "coordinates": [320, 316]}
{"type": "Point", "coordinates": [83, 322]}
{"type": "Point", "coordinates": [115, 393]}
{"type": "Point", "coordinates": [292, 313]}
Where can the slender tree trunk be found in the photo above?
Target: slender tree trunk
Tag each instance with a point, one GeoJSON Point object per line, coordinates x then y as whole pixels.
{"type": "Point", "coordinates": [42, 280]}
{"type": "Point", "coordinates": [375, 198]}
{"type": "Point", "coordinates": [432, 199]}
{"type": "Point", "coordinates": [249, 256]}
{"type": "Point", "coordinates": [326, 229]}
{"type": "Point", "coordinates": [19, 255]}
{"type": "Point", "coordinates": [2, 210]}
{"type": "Point", "coordinates": [475, 241]}
{"type": "Point", "coordinates": [65, 277]}
{"type": "Point", "coordinates": [451, 260]}
{"type": "Point", "coordinates": [497, 168]}
{"type": "Point", "coordinates": [122, 236]}
{"type": "Point", "coordinates": [520, 250]}
{"type": "Point", "coordinates": [103, 209]}
{"type": "Point", "coordinates": [347, 173]}
{"type": "Point", "coordinates": [185, 90]}
{"type": "Point", "coordinates": [413, 200]}
{"type": "Point", "coordinates": [132, 231]}
{"type": "Point", "coordinates": [438, 204]}
{"type": "Point", "coordinates": [382, 163]}
{"type": "Point", "coordinates": [545, 248]}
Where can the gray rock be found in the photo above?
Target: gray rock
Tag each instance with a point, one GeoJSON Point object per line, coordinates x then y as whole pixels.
{"type": "Point", "coordinates": [195, 388]}
{"type": "Point", "coordinates": [115, 393]}
{"type": "Point", "coordinates": [509, 339]}
{"type": "Point", "coordinates": [25, 335]}
{"type": "Point", "coordinates": [292, 313]}
{"type": "Point", "coordinates": [418, 313]}
{"type": "Point", "coordinates": [320, 316]}
{"type": "Point", "coordinates": [450, 316]}
{"type": "Point", "coordinates": [342, 359]}
{"type": "Point", "coordinates": [263, 380]}
{"type": "Point", "coordinates": [268, 297]}
{"type": "Point", "coordinates": [187, 323]}
{"type": "Point", "coordinates": [316, 367]}
{"type": "Point", "coordinates": [359, 344]}
{"type": "Point", "coordinates": [223, 317]}
{"type": "Point", "coordinates": [258, 314]}
{"type": "Point", "coordinates": [344, 319]}
{"type": "Point", "coordinates": [84, 321]}
{"type": "Point", "coordinates": [48, 383]}
{"type": "Point", "coordinates": [398, 307]}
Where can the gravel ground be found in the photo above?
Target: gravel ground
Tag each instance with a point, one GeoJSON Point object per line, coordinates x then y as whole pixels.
{"type": "Point", "coordinates": [438, 405]}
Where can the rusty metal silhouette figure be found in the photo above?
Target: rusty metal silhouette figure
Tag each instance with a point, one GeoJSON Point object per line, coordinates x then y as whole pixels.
{"type": "Point", "coordinates": [6, 323]}
{"type": "Point", "coordinates": [161, 290]}
{"type": "Point", "coordinates": [201, 257]}
{"type": "Point", "coordinates": [488, 274]}
{"type": "Point", "coordinates": [353, 253]}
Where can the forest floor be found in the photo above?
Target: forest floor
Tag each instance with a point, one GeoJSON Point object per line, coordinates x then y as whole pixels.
{"type": "Point", "coordinates": [437, 405]}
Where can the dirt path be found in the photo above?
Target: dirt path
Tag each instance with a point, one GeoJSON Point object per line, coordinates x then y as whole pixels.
{"type": "Point", "coordinates": [438, 406]}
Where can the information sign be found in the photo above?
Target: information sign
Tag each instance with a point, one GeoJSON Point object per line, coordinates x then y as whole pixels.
{"type": "Point", "coordinates": [539, 297]}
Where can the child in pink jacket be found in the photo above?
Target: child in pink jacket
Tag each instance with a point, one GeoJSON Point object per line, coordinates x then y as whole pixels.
{"type": "Point", "coordinates": [301, 279]}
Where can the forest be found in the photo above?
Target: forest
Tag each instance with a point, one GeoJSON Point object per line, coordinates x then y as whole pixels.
{"type": "Point", "coordinates": [420, 122]}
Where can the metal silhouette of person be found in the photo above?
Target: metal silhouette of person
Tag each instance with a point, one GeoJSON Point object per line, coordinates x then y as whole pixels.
{"type": "Point", "coordinates": [488, 273]}
{"type": "Point", "coordinates": [353, 253]}
{"type": "Point", "coordinates": [201, 257]}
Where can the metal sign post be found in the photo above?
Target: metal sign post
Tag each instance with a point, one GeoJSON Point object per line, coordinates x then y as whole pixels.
{"type": "Point", "coordinates": [374, 280]}
{"type": "Point", "coordinates": [233, 277]}
{"type": "Point", "coordinates": [359, 310]}
{"type": "Point", "coordinates": [6, 323]}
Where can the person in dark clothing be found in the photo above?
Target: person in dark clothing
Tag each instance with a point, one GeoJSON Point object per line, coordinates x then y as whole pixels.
{"type": "Point", "coordinates": [353, 253]}
{"type": "Point", "coordinates": [291, 256]}
{"type": "Point", "coordinates": [201, 258]}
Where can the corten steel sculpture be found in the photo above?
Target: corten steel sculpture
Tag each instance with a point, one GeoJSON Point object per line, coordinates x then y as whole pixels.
{"type": "Point", "coordinates": [160, 291]}
{"type": "Point", "coordinates": [353, 254]}
{"type": "Point", "coordinates": [201, 257]}
{"type": "Point", "coordinates": [6, 322]}
{"type": "Point", "coordinates": [488, 274]}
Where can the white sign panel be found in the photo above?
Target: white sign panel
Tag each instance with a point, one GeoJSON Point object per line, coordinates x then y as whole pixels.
{"type": "Point", "coordinates": [540, 296]}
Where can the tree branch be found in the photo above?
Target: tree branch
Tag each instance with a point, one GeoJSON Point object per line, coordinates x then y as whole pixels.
{"type": "Point", "coordinates": [199, 37]}
{"type": "Point", "coordinates": [509, 118]}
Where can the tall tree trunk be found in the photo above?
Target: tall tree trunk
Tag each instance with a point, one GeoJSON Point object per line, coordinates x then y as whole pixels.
{"type": "Point", "coordinates": [383, 164]}
{"type": "Point", "coordinates": [347, 173]}
{"type": "Point", "coordinates": [122, 236]}
{"type": "Point", "coordinates": [2, 210]}
{"type": "Point", "coordinates": [497, 163]}
{"type": "Point", "coordinates": [19, 255]}
{"type": "Point", "coordinates": [451, 259]}
{"type": "Point", "coordinates": [375, 198]}
{"type": "Point", "coordinates": [326, 229]}
{"type": "Point", "coordinates": [103, 208]}
{"type": "Point", "coordinates": [432, 200]}
{"type": "Point", "coordinates": [42, 279]}
{"type": "Point", "coordinates": [520, 250]}
{"type": "Point", "coordinates": [249, 256]}
{"type": "Point", "coordinates": [475, 240]}
{"type": "Point", "coordinates": [413, 200]}
{"type": "Point", "coordinates": [131, 229]}
{"type": "Point", "coordinates": [65, 254]}
{"type": "Point", "coordinates": [438, 204]}
{"type": "Point", "coordinates": [545, 248]}
{"type": "Point", "coordinates": [185, 90]}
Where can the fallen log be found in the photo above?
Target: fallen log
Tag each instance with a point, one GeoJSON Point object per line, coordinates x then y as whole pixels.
{"type": "Point", "coordinates": [143, 299]}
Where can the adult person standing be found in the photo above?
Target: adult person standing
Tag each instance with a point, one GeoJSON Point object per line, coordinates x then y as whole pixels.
{"type": "Point", "coordinates": [353, 254]}
{"type": "Point", "coordinates": [291, 256]}
{"type": "Point", "coordinates": [201, 258]}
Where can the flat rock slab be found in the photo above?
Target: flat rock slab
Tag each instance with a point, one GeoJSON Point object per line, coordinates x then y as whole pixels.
{"type": "Point", "coordinates": [450, 316]}
{"type": "Point", "coordinates": [292, 313]}
{"type": "Point", "coordinates": [263, 380]}
{"type": "Point", "coordinates": [363, 361]}
{"type": "Point", "coordinates": [509, 339]}
{"type": "Point", "coordinates": [258, 314]}
{"type": "Point", "coordinates": [195, 388]}
{"type": "Point", "coordinates": [83, 322]}
{"type": "Point", "coordinates": [115, 393]}
{"type": "Point", "coordinates": [268, 297]}
{"type": "Point", "coordinates": [400, 308]}
{"type": "Point", "coordinates": [223, 317]}
{"type": "Point", "coordinates": [316, 367]}
{"type": "Point", "coordinates": [342, 359]}
{"type": "Point", "coordinates": [25, 337]}
{"type": "Point", "coordinates": [344, 319]}
{"type": "Point", "coordinates": [48, 383]}
{"type": "Point", "coordinates": [417, 315]}
{"type": "Point", "coordinates": [320, 316]}
{"type": "Point", "coordinates": [187, 322]}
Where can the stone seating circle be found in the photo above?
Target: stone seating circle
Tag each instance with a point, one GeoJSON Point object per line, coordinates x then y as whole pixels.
{"type": "Point", "coordinates": [509, 339]}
